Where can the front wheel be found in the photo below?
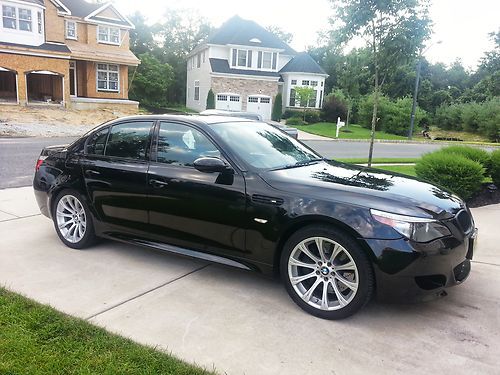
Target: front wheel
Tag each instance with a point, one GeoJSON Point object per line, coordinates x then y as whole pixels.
{"type": "Point", "coordinates": [73, 220]}
{"type": "Point", "coordinates": [326, 272]}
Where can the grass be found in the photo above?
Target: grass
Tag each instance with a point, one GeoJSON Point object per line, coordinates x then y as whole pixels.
{"type": "Point", "coordinates": [36, 339]}
{"type": "Point", "coordinates": [328, 129]}
{"type": "Point", "coordinates": [403, 169]}
{"type": "Point", "coordinates": [379, 160]}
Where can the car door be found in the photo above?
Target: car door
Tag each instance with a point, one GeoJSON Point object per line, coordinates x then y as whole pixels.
{"type": "Point", "coordinates": [189, 208]}
{"type": "Point", "coordinates": [115, 169]}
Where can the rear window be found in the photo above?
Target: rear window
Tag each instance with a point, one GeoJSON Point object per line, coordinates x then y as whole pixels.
{"type": "Point", "coordinates": [129, 140]}
{"type": "Point", "coordinates": [96, 142]}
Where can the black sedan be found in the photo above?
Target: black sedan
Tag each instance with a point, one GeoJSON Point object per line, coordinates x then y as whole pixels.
{"type": "Point", "coordinates": [253, 197]}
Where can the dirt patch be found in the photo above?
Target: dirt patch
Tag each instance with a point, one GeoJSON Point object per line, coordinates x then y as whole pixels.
{"type": "Point", "coordinates": [489, 194]}
{"type": "Point", "coordinates": [51, 122]}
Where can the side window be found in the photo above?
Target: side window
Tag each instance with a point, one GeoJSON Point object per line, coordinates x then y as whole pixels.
{"type": "Point", "coordinates": [182, 145]}
{"type": "Point", "coordinates": [129, 140]}
{"type": "Point", "coordinates": [97, 142]}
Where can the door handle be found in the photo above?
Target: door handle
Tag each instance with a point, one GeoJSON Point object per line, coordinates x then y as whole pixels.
{"type": "Point", "coordinates": [158, 183]}
{"type": "Point", "coordinates": [91, 172]}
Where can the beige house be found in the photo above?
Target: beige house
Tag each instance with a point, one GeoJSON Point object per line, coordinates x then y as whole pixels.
{"type": "Point", "coordinates": [68, 53]}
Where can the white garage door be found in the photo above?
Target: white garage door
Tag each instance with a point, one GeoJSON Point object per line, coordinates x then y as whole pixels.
{"type": "Point", "coordinates": [260, 104]}
{"type": "Point", "coordinates": [228, 102]}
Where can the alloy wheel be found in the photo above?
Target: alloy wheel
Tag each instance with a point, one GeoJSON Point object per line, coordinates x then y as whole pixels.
{"type": "Point", "coordinates": [323, 273]}
{"type": "Point", "coordinates": [71, 218]}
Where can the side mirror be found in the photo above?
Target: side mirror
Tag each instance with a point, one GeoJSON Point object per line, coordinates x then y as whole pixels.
{"type": "Point", "coordinates": [210, 165]}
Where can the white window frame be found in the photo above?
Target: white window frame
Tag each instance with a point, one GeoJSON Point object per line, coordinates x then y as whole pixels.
{"type": "Point", "coordinates": [66, 24]}
{"type": "Point", "coordinates": [29, 20]}
{"type": "Point", "coordinates": [196, 91]}
{"type": "Point", "coordinates": [305, 82]}
{"type": "Point", "coordinates": [270, 67]}
{"type": "Point", "coordinates": [107, 71]}
{"type": "Point", "coordinates": [238, 58]}
{"type": "Point", "coordinates": [293, 82]}
{"type": "Point", "coordinates": [10, 18]}
{"type": "Point", "coordinates": [314, 83]}
{"type": "Point", "coordinates": [108, 34]}
{"type": "Point", "coordinates": [39, 21]}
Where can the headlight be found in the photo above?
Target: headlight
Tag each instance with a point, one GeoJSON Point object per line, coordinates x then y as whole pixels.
{"type": "Point", "coordinates": [418, 229]}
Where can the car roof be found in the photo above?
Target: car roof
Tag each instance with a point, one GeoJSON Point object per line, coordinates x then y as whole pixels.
{"type": "Point", "coordinates": [197, 119]}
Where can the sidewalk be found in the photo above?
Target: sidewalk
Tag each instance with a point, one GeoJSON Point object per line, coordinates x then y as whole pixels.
{"type": "Point", "coordinates": [241, 323]}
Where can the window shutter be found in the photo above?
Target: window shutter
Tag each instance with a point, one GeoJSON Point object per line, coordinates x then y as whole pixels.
{"type": "Point", "coordinates": [259, 60]}
{"type": "Point", "coordinates": [234, 57]}
{"type": "Point", "coordinates": [249, 59]}
{"type": "Point", "coordinates": [275, 55]}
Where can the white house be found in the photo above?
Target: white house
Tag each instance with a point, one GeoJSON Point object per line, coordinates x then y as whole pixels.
{"type": "Point", "coordinates": [246, 66]}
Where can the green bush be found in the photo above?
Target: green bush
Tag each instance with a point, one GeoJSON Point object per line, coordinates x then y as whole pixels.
{"type": "Point", "coordinates": [210, 100]}
{"type": "Point", "coordinates": [495, 167]}
{"type": "Point", "coordinates": [277, 107]}
{"type": "Point", "coordinates": [287, 113]}
{"type": "Point", "coordinates": [295, 121]}
{"type": "Point", "coordinates": [312, 116]}
{"type": "Point", "coordinates": [471, 153]}
{"type": "Point", "coordinates": [449, 117]}
{"type": "Point", "coordinates": [333, 108]}
{"type": "Point", "coordinates": [454, 172]}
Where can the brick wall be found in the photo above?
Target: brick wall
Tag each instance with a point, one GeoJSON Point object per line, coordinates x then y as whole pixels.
{"type": "Point", "coordinates": [54, 24]}
{"type": "Point", "coordinates": [86, 77]}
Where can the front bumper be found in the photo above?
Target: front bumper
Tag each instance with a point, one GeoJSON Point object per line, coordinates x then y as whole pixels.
{"type": "Point", "coordinates": [413, 272]}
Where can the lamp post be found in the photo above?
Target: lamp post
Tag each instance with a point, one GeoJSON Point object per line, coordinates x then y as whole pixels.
{"type": "Point", "coordinates": [415, 93]}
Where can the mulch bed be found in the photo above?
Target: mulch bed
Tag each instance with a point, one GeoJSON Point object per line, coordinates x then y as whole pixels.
{"type": "Point", "coordinates": [488, 194]}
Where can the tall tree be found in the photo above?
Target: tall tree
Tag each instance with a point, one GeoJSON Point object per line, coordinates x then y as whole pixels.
{"type": "Point", "coordinates": [280, 33]}
{"type": "Point", "coordinates": [394, 30]}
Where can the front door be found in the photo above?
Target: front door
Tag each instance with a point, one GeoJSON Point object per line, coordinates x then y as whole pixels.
{"type": "Point", "coordinates": [72, 78]}
{"type": "Point", "coordinates": [115, 169]}
{"type": "Point", "coordinates": [189, 208]}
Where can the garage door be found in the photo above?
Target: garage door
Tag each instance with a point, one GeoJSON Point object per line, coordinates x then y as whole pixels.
{"type": "Point", "coordinates": [228, 102]}
{"type": "Point", "coordinates": [260, 104]}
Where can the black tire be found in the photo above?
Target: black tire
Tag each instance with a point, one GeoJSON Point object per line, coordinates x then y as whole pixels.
{"type": "Point", "coordinates": [89, 237]}
{"type": "Point", "coordinates": [365, 277]}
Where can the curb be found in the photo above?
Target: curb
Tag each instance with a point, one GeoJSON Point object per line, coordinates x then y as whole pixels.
{"type": "Point", "coordinates": [403, 141]}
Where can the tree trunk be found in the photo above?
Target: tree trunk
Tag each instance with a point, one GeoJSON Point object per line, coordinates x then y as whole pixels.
{"type": "Point", "coordinates": [376, 98]}
{"type": "Point", "coordinates": [348, 115]}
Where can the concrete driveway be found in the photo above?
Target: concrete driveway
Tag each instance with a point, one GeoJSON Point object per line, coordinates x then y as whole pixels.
{"type": "Point", "coordinates": [240, 323]}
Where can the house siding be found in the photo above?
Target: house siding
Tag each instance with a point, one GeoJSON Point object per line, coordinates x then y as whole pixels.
{"type": "Point", "coordinates": [54, 24]}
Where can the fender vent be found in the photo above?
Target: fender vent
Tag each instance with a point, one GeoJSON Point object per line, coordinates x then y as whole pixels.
{"type": "Point", "coordinates": [264, 199]}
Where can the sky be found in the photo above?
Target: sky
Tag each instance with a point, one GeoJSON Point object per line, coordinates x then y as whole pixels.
{"type": "Point", "coordinates": [462, 26]}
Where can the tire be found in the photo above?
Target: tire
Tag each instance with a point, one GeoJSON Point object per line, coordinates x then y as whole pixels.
{"type": "Point", "coordinates": [348, 275]}
{"type": "Point", "coordinates": [69, 207]}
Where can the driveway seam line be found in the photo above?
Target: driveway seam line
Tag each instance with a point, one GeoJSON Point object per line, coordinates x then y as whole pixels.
{"type": "Point", "coordinates": [489, 264]}
{"type": "Point", "coordinates": [145, 292]}
{"type": "Point", "coordinates": [18, 217]}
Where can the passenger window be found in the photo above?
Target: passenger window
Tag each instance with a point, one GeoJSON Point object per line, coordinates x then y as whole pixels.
{"type": "Point", "coordinates": [129, 140]}
{"type": "Point", "coordinates": [182, 145]}
{"type": "Point", "coordinates": [97, 142]}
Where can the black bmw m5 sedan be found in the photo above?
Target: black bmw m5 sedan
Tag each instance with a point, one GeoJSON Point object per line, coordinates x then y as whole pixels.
{"type": "Point", "coordinates": [246, 194]}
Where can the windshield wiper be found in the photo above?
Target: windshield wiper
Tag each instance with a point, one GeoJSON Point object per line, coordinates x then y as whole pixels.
{"type": "Point", "coordinates": [299, 164]}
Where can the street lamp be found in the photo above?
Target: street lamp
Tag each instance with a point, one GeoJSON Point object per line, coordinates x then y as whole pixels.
{"type": "Point", "coordinates": [415, 93]}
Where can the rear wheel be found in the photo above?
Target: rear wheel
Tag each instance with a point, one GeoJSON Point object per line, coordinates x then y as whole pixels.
{"type": "Point", "coordinates": [326, 272]}
{"type": "Point", "coordinates": [72, 220]}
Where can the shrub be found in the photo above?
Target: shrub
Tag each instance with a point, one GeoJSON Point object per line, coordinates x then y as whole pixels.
{"type": "Point", "coordinates": [295, 121]}
{"type": "Point", "coordinates": [333, 108]}
{"type": "Point", "coordinates": [210, 100]}
{"type": "Point", "coordinates": [451, 171]}
{"type": "Point", "coordinates": [287, 113]}
{"type": "Point", "coordinates": [449, 117]}
{"type": "Point", "coordinates": [471, 153]}
{"type": "Point", "coordinates": [312, 116]}
{"type": "Point", "coordinates": [495, 167]}
{"type": "Point", "coordinates": [277, 107]}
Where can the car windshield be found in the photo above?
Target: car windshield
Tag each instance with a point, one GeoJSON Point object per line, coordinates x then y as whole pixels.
{"type": "Point", "coordinates": [263, 146]}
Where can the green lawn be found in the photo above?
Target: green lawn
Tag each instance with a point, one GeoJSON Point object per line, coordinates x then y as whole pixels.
{"type": "Point", "coordinates": [328, 129]}
{"type": "Point", "coordinates": [379, 160]}
{"type": "Point", "coordinates": [403, 169]}
{"type": "Point", "coordinates": [36, 339]}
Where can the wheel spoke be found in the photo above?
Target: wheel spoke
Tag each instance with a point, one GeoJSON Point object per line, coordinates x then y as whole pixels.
{"type": "Point", "coordinates": [348, 266]}
{"type": "Point", "coordinates": [298, 279]}
{"type": "Point", "coordinates": [63, 214]}
{"type": "Point", "coordinates": [67, 206]}
{"type": "Point", "coordinates": [80, 230]}
{"type": "Point", "coordinates": [324, 297]}
{"type": "Point", "coordinates": [340, 297]}
{"type": "Point", "coordinates": [336, 251]}
{"type": "Point", "coordinates": [319, 245]}
{"type": "Point", "coordinates": [306, 251]}
{"type": "Point", "coordinates": [351, 285]}
{"type": "Point", "coordinates": [307, 295]}
{"type": "Point", "coordinates": [298, 263]}
{"type": "Point", "coordinates": [65, 224]}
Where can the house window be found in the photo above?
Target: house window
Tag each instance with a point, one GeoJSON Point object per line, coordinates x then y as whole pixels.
{"type": "Point", "coordinates": [321, 83]}
{"type": "Point", "coordinates": [222, 98]}
{"type": "Point", "coordinates": [70, 29]}
{"type": "Point", "coordinates": [197, 90]}
{"type": "Point", "coordinates": [253, 99]}
{"type": "Point", "coordinates": [110, 35]}
{"type": "Point", "coordinates": [312, 100]}
{"type": "Point", "coordinates": [108, 77]}
{"type": "Point", "coordinates": [242, 57]}
{"type": "Point", "coordinates": [305, 83]}
{"type": "Point", "coordinates": [234, 98]}
{"type": "Point", "coordinates": [314, 83]}
{"type": "Point", "coordinates": [25, 19]}
{"type": "Point", "coordinates": [292, 98]}
{"type": "Point", "coordinates": [265, 100]}
{"type": "Point", "coordinates": [294, 82]}
{"type": "Point", "coordinates": [9, 17]}
{"type": "Point", "coordinates": [39, 18]}
{"type": "Point", "coordinates": [267, 60]}
{"type": "Point", "coordinates": [198, 60]}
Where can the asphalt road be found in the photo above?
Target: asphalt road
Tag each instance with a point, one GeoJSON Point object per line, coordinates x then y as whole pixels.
{"type": "Point", "coordinates": [18, 155]}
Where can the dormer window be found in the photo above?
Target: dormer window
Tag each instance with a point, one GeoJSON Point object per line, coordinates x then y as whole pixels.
{"type": "Point", "coordinates": [109, 35]}
{"type": "Point", "coordinates": [25, 23]}
{"type": "Point", "coordinates": [255, 40]}
{"type": "Point", "coordinates": [242, 58]}
{"type": "Point", "coordinates": [71, 30]}
{"type": "Point", "coordinates": [267, 60]}
{"type": "Point", "coordinates": [9, 17]}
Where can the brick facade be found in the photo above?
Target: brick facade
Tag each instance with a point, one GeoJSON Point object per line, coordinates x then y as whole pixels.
{"type": "Point", "coordinates": [245, 87]}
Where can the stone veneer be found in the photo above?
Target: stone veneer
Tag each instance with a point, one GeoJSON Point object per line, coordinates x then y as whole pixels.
{"type": "Point", "coordinates": [245, 87]}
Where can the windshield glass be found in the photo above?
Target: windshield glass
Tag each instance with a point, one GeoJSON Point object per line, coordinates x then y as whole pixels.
{"type": "Point", "coordinates": [263, 146]}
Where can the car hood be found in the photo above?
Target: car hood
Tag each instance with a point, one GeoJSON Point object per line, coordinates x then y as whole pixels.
{"type": "Point", "coordinates": [368, 187]}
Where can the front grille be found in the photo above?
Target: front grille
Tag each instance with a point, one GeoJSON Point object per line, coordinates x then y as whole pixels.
{"type": "Point", "coordinates": [465, 221]}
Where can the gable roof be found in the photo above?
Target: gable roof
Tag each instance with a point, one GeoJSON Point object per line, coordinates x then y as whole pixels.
{"type": "Point", "coordinates": [239, 31]}
{"type": "Point", "coordinates": [303, 63]}
{"type": "Point", "coordinates": [80, 8]}
{"type": "Point", "coordinates": [91, 12]}
{"type": "Point", "coordinates": [222, 66]}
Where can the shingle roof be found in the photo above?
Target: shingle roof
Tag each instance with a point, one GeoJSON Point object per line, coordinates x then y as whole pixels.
{"type": "Point", "coordinates": [80, 8]}
{"type": "Point", "coordinates": [303, 63]}
{"type": "Point", "coordinates": [53, 47]}
{"type": "Point", "coordinates": [239, 31]}
{"type": "Point", "coordinates": [39, 2]}
{"type": "Point", "coordinates": [222, 66]}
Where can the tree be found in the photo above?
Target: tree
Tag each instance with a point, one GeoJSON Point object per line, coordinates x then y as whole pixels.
{"type": "Point", "coordinates": [277, 108]}
{"type": "Point", "coordinates": [151, 82]}
{"type": "Point", "coordinates": [303, 95]}
{"type": "Point", "coordinates": [280, 33]}
{"type": "Point", "coordinates": [210, 99]}
{"type": "Point", "coordinates": [393, 30]}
